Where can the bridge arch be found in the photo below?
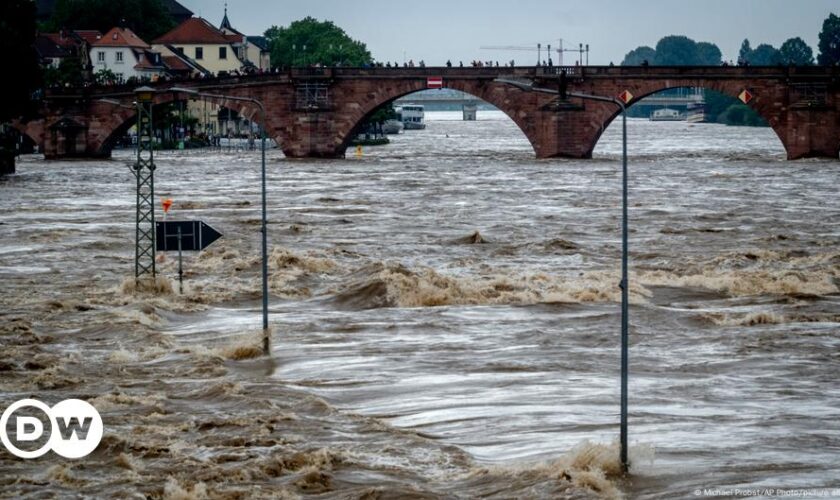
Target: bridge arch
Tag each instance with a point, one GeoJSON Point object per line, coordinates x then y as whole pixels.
{"type": "Point", "coordinates": [104, 134]}
{"type": "Point", "coordinates": [764, 105]}
{"type": "Point", "coordinates": [501, 96]}
{"type": "Point", "coordinates": [33, 131]}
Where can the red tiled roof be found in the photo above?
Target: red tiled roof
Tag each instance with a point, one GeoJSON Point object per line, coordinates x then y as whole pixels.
{"type": "Point", "coordinates": [61, 39]}
{"type": "Point", "coordinates": [47, 48]}
{"type": "Point", "coordinates": [175, 63]}
{"type": "Point", "coordinates": [234, 38]}
{"type": "Point", "coordinates": [148, 60]}
{"type": "Point", "coordinates": [90, 36]}
{"type": "Point", "coordinates": [121, 37]}
{"type": "Point", "coordinates": [194, 30]}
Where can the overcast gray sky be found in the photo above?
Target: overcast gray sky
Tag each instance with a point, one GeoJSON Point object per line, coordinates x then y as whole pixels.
{"type": "Point", "coordinates": [437, 30]}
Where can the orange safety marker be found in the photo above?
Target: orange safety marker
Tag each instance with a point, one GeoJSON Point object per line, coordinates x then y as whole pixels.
{"type": "Point", "coordinates": [745, 96]}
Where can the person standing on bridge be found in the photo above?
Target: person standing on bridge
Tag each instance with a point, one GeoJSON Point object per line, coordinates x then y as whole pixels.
{"type": "Point", "coordinates": [448, 63]}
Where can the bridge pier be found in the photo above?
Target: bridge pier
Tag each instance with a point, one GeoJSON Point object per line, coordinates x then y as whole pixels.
{"type": "Point", "coordinates": [810, 133]}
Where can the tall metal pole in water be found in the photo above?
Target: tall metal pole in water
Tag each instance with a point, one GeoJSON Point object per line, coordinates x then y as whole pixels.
{"type": "Point", "coordinates": [624, 284]}
{"type": "Point", "coordinates": [264, 227]}
{"type": "Point", "coordinates": [266, 333]}
{"type": "Point", "coordinates": [144, 172]}
{"type": "Point", "coordinates": [624, 289]}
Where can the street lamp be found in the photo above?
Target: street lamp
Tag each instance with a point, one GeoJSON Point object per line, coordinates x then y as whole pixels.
{"type": "Point", "coordinates": [624, 285]}
{"type": "Point", "coordinates": [259, 104]}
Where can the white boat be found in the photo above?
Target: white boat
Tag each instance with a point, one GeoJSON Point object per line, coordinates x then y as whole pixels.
{"type": "Point", "coordinates": [392, 127]}
{"type": "Point", "coordinates": [411, 116]}
{"type": "Point", "coordinates": [695, 112]}
{"type": "Point", "coordinates": [666, 115]}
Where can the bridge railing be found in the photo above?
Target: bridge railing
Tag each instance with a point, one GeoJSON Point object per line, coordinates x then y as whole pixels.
{"type": "Point", "coordinates": [793, 73]}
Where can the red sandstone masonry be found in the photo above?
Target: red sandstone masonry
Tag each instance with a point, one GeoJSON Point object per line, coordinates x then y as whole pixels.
{"type": "Point", "coordinates": [806, 129]}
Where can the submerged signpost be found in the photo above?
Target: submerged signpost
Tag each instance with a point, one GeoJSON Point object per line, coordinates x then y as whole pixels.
{"type": "Point", "coordinates": [621, 101]}
{"type": "Point", "coordinates": [184, 236]}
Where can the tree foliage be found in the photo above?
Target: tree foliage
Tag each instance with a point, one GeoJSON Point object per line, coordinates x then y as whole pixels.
{"type": "Point", "coordinates": [68, 74]}
{"type": "Point", "coordinates": [765, 55]}
{"type": "Point", "coordinates": [676, 50]}
{"type": "Point", "coordinates": [17, 26]}
{"type": "Point", "coordinates": [795, 51]}
{"type": "Point", "coordinates": [148, 18]}
{"type": "Point", "coordinates": [744, 53]}
{"type": "Point", "coordinates": [309, 41]}
{"type": "Point", "coordinates": [708, 54]}
{"type": "Point", "coordinates": [638, 56]}
{"type": "Point", "coordinates": [721, 108]}
{"type": "Point", "coordinates": [830, 42]}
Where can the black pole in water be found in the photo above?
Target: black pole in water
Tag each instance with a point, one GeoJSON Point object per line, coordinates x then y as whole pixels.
{"type": "Point", "coordinates": [180, 265]}
{"type": "Point", "coordinates": [624, 292]}
{"type": "Point", "coordinates": [624, 284]}
{"type": "Point", "coordinates": [266, 334]}
{"type": "Point", "coordinates": [264, 229]}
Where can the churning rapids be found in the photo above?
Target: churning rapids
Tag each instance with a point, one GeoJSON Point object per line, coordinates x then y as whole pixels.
{"type": "Point", "coordinates": [445, 320]}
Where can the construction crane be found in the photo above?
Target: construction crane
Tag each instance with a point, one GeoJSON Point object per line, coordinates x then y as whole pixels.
{"type": "Point", "coordinates": [559, 50]}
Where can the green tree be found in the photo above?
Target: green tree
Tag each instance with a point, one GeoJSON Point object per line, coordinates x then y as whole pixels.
{"type": "Point", "coordinates": [745, 52]}
{"type": "Point", "coordinates": [830, 42]}
{"type": "Point", "coordinates": [795, 51]}
{"type": "Point", "coordinates": [69, 73]}
{"type": "Point", "coordinates": [105, 77]}
{"type": "Point", "coordinates": [765, 55]}
{"type": "Point", "coordinates": [148, 18]}
{"type": "Point", "coordinates": [309, 41]}
{"type": "Point", "coordinates": [639, 55]}
{"type": "Point", "coordinates": [708, 54]}
{"type": "Point", "coordinates": [676, 50]}
{"type": "Point", "coordinates": [741, 114]}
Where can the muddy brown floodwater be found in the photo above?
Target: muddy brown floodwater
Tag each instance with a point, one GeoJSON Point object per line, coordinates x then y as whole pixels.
{"type": "Point", "coordinates": [445, 320]}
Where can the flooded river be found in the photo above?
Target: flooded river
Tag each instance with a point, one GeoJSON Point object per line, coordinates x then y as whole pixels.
{"type": "Point", "coordinates": [445, 320]}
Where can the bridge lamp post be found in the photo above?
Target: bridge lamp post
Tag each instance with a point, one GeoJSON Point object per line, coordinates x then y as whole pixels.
{"type": "Point", "coordinates": [624, 285]}
{"type": "Point", "coordinates": [259, 104]}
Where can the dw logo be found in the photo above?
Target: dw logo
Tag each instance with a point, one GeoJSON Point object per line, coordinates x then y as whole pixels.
{"type": "Point", "coordinates": [71, 428]}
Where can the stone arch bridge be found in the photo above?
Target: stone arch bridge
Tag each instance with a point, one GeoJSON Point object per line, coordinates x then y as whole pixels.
{"type": "Point", "coordinates": [314, 112]}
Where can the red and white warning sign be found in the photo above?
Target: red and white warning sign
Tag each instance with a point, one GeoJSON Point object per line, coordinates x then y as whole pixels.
{"type": "Point", "coordinates": [625, 96]}
{"type": "Point", "coordinates": [434, 82]}
{"type": "Point", "coordinates": [745, 96]}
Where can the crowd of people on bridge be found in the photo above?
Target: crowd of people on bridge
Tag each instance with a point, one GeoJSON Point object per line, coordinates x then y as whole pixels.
{"type": "Point", "coordinates": [134, 81]}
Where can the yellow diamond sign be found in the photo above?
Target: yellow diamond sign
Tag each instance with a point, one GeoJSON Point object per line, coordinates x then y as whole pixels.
{"type": "Point", "coordinates": [745, 96]}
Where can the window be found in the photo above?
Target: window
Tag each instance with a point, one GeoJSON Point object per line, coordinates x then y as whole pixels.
{"type": "Point", "coordinates": [180, 50]}
{"type": "Point", "coordinates": [100, 56]}
{"type": "Point", "coordinates": [199, 53]}
{"type": "Point", "coordinates": [119, 57]}
{"type": "Point", "coordinates": [222, 52]}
